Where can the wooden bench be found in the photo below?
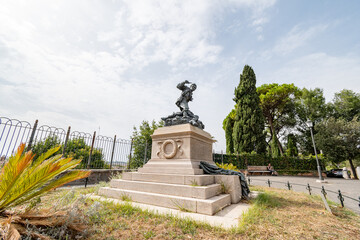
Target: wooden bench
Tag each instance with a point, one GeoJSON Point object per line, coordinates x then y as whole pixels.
{"type": "Point", "coordinates": [261, 170]}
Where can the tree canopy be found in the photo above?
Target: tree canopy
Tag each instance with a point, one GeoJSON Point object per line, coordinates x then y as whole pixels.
{"type": "Point", "coordinates": [339, 139]}
{"type": "Point", "coordinates": [346, 104]}
{"type": "Point", "coordinates": [278, 106]}
{"type": "Point", "coordinates": [310, 105]}
{"type": "Point", "coordinates": [142, 139]}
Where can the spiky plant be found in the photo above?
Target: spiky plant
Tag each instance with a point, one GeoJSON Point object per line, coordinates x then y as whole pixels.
{"type": "Point", "coordinates": [22, 179]}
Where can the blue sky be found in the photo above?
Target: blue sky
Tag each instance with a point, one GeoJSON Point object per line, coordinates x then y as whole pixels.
{"type": "Point", "coordinates": [109, 65]}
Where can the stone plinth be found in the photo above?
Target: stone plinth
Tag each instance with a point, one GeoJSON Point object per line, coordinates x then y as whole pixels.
{"type": "Point", "coordinates": [178, 150]}
{"type": "Point", "coordinates": [172, 177]}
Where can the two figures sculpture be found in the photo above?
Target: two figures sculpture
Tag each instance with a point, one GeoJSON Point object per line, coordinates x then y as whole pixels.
{"type": "Point", "coordinates": [185, 115]}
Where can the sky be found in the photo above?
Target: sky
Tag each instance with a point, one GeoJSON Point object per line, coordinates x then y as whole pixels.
{"type": "Point", "coordinates": [106, 66]}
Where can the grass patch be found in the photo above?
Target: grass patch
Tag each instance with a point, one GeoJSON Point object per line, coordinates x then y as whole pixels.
{"type": "Point", "coordinates": [258, 212]}
{"type": "Point", "coordinates": [284, 214]}
{"type": "Point", "coordinates": [116, 176]}
{"type": "Point", "coordinates": [125, 197]}
{"type": "Point", "coordinates": [275, 214]}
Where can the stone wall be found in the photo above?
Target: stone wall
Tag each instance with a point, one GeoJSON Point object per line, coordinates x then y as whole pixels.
{"type": "Point", "coordinates": [96, 176]}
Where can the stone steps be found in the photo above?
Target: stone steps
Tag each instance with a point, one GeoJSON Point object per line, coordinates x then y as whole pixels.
{"type": "Point", "coordinates": [187, 171]}
{"type": "Point", "coordinates": [201, 180]}
{"type": "Point", "coordinates": [204, 206]}
{"type": "Point", "coordinates": [200, 192]}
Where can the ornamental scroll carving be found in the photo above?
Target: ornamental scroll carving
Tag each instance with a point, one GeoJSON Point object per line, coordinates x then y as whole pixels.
{"type": "Point", "coordinates": [176, 147]}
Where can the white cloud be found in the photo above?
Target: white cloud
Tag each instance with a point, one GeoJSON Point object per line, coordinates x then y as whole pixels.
{"type": "Point", "coordinates": [296, 38]}
{"type": "Point", "coordinates": [112, 64]}
{"type": "Point", "coordinates": [321, 70]}
{"type": "Point", "coordinates": [169, 31]}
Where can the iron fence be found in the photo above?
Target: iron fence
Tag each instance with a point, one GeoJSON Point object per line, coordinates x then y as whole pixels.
{"type": "Point", "coordinates": [338, 194]}
{"type": "Point", "coordinates": [96, 151]}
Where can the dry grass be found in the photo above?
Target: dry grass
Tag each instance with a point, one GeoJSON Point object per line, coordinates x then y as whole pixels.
{"type": "Point", "coordinates": [275, 214]}
{"type": "Point", "coordinates": [284, 214]}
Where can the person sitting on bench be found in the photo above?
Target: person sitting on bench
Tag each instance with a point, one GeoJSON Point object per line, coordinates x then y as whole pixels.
{"type": "Point", "coordinates": [271, 169]}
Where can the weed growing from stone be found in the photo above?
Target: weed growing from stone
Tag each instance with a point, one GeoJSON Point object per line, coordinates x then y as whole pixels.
{"type": "Point", "coordinates": [194, 183]}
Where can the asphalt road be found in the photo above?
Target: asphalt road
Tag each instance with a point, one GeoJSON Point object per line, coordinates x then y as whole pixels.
{"type": "Point", "coordinates": [349, 188]}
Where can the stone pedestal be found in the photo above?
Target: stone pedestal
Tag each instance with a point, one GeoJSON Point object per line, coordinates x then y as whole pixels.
{"type": "Point", "coordinates": [172, 177]}
{"type": "Point", "coordinates": [178, 150]}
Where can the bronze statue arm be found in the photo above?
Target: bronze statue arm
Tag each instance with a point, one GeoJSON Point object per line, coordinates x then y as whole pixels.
{"type": "Point", "coordinates": [182, 86]}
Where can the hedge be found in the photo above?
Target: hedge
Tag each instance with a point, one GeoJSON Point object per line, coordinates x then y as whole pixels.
{"type": "Point", "coordinates": [241, 161]}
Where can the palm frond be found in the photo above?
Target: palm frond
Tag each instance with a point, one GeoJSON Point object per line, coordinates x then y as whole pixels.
{"type": "Point", "coordinates": [22, 179]}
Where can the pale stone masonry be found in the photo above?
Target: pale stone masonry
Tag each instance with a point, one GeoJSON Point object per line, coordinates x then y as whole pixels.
{"type": "Point", "coordinates": [172, 177]}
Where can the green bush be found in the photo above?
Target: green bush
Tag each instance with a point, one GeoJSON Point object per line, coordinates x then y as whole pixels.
{"type": "Point", "coordinates": [43, 146]}
{"type": "Point", "coordinates": [75, 148]}
{"type": "Point", "coordinates": [241, 161]}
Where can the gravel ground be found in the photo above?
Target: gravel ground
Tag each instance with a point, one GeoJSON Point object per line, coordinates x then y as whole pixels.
{"type": "Point", "coordinates": [350, 188]}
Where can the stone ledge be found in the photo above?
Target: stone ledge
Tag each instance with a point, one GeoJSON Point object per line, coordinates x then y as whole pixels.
{"type": "Point", "coordinates": [200, 180]}
{"type": "Point", "coordinates": [208, 206]}
{"type": "Point", "coordinates": [199, 192]}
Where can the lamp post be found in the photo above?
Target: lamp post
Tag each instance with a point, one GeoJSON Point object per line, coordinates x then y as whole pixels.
{"type": "Point", "coordinates": [310, 125]}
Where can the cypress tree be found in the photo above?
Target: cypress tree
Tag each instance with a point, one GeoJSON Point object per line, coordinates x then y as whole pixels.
{"type": "Point", "coordinates": [248, 131]}
{"type": "Point", "coordinates": [291, 145]}
{"type": "Point", "coordinates": [228, 135]}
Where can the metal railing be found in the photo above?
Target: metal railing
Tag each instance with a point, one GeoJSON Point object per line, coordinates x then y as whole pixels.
{"type": "Point", "coordinates": [340, 196]}
{"type": "Point", "coordinates": [96, 151]}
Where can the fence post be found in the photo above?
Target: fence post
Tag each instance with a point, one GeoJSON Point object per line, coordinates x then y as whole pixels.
{"type": "Point", "coordinates": [288, 185]}
{"type": "Point", "coordinates": [32, 135]}
{"type": "Point", "coordinates": [91, 149]}
{"type": "Point", "coordinates": [249, 180]}
{"type": "Point", "coordinates": [269, 183]}
{"type": "Point", "coordinates": [323, 191]}
{"type": "Point", "coordinates": [112, 152]}
{"type": "Point", "coordinates": [66, 140]}
{"type": "Point", "coordinates": [145, 153]}
{"type": "Point", "coordinates": [131, 145]}
{"type": "Point", "coordinates": [309, 188]}
{"type": "Point", "coordinates": [341, 198]}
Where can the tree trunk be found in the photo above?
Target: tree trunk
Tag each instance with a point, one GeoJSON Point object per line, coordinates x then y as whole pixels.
{"type": "Point", "coordinates": [272, 130]}
{"type": "Point", "coordinates": [280, 147]}
{"type": "Point", "coordinates": [352, 167]}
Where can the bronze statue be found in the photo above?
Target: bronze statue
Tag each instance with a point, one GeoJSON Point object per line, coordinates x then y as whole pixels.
{"type": "Point", "coordinates": [185, 116]}
{"type": "Point", "coordinates": [186, 95]}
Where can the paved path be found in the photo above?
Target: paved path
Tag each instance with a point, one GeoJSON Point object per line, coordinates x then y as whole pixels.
{"type": "Point", "coordinates": [349, 188]}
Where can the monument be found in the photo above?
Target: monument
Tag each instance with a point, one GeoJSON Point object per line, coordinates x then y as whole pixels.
{"type": "Point", "coordinates": [172, 177]}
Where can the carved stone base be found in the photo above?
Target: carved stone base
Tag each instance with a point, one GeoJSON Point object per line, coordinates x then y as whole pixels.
{"type": "Point", "coordinates": [178, 150]}
{"type": "Point", "coordinates": [172, 177]}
